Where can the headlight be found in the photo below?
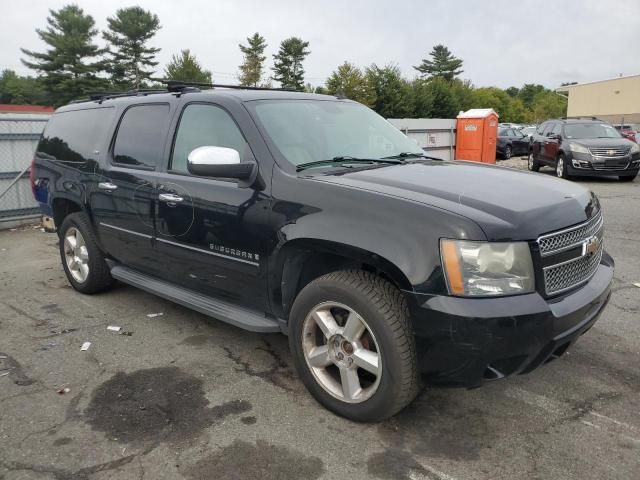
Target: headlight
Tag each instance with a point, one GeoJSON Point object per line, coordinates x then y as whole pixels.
{"type": "Point", "coordinates": [635, 148]}
{"type": "Point", "coordinates": [577, 148]}
{"type": "Point", "coordinates": [476, 269]}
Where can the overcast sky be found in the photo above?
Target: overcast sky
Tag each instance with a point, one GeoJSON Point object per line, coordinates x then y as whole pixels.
{"type": "Point", "coordinates": [502, 42]}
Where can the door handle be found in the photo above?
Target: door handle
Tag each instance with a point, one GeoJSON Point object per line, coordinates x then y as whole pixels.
{"type": "Point", "coordinates": [170, 198]}
{"type": "Point", "coordinates": [107, 186]}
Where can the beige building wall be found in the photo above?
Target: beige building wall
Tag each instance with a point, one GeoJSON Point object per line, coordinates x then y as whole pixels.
{"type": "Point", "coordinates": [610, 100]}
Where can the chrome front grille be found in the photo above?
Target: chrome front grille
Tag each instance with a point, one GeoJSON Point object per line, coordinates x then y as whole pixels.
{"type": "Point", "coordinates": [570, 237]}
{"type": "Point", "coordinates": [610, 152]}
{"type": "Point", "coordinates": [569, 273]}
{"type": "Point", "coordinates": [604, 167]}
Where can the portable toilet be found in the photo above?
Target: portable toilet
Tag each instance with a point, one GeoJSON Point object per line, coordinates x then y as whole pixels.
{"type": "Point", "coordinates": [476, 134]}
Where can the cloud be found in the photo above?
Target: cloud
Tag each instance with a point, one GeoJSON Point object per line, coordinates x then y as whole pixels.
{"type": "Point", "coordinates": [502, 42]}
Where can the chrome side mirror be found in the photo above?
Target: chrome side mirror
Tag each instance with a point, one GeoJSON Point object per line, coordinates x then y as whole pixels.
{"type": "Point", "coordinates": [220, 162]}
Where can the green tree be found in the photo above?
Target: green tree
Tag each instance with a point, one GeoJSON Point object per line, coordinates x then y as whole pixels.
{"type": "Point", "coordinates": [528, 92]}
{"type": "Point", "coordinates": [131, 59]}
{"type": "Point", "coordinates": [287, 63]}
{"type": "Point", "coordinates": [442, 64]}
{"type": "Point", "coordinates": [445, 104]}
{"type": "Point", "coordinates": [349, 81]}
{"type": "Point", "coordinates": [21, 90]}
{"type": "Point", "coordinates": [512, 91]}
{"type": "Point", "coordinates": [394, 96]}
{"type": "Point", "coordinates": [69, 66]}
{"type": "Point", "coordinates": [185, 67]}
{"type": "Point", "coordinates": [252, 67]}
{"type": "Point", "coordinates": [422, 98]}
{"type": "Point", "coordinates": [548, 104]}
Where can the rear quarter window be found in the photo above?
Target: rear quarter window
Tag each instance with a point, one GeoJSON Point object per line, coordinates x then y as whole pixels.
{"type": "Point", "coordinates": [75, 136]}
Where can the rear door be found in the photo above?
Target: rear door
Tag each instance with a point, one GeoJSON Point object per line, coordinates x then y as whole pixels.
{"type": "Point", "coordinates": [552, 142]}
{"type": "Point", "coordinates": [123, 199]}
{"type": "Point", "coordinates": [211, 233]}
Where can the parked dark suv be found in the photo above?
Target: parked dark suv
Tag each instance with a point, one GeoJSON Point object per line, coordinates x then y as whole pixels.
{"type": "Point", "coordinates": [313, 216]}
{"type": "Point", "coordinates": [584, 147]}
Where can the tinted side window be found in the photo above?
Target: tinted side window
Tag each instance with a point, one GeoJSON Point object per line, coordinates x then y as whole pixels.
{"type": "Point", "coordinates": [557, 129]}
{"type": "Point", "coordinates": [205, 125]}
{"type": "Point", "coordinates": [141, 136]}
{"type": "Point", "coordinates": [75, 136]}
{"type": "Point", "coordinates": [541, 128]}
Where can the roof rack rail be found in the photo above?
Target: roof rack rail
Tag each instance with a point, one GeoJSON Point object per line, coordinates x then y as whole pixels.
{"type": "Point", "coordinates": [179, 85]}
{"type": "Point", "coordinates": [100, 96]}
{"type": "Point", "coordinates": [582, 117]}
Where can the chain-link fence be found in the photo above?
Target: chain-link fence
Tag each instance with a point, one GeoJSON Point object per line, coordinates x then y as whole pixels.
{"type": "Point", "coordinates": [19, 134]}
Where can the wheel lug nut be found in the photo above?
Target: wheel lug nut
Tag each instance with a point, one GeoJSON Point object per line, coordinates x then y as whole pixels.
{"type": "Point", "coordinates": [340, 356]}
{"type": "Point", "coordinates": [350, 360]}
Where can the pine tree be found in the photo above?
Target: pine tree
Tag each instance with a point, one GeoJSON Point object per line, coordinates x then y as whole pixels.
{"type": "Point", "coordinates": [252, 67]}
{"type": "Point", "coordinates": [131, 60]}
{"type": "Point", "coordinates": [442, 64]}
{"type": "Point", "coordinates": [349, 81]}
{"type": "Point", "coordinates": [69, 67]}
{"type": "Point", "coordinates": [185, 67]}
{"type": "Point", "coordinates": [287, 63]}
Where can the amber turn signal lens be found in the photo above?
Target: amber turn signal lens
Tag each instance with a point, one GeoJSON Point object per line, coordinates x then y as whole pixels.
{"type": "Point", "coordinates": [451, 265]}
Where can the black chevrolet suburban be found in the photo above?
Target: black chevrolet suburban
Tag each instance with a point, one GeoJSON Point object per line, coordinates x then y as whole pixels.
{"type": "Point", "coordinates": [313, 216]}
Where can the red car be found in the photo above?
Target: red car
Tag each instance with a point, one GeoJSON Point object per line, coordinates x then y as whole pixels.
{"type": "Point", "coordinates": [628, 131]}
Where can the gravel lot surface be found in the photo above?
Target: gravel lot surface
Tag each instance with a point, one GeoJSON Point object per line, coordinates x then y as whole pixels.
{"type": "Point", "coordinates": [185, 396]}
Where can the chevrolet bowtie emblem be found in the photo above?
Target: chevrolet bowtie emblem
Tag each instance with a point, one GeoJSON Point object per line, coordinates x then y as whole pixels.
{"type": "Point", "coordinates": [611, 153]}
{"type": "Point", "coordinates": [590, 246]}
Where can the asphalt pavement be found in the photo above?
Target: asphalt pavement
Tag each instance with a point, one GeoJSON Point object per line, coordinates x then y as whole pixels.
{"type": "Point", "coordinates": [186, 396]}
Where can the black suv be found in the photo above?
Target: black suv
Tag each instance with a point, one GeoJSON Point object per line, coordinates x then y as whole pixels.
{"type": "Point", "coordinates": [313, 216]}
{"type": "Point", "coordinates": [584, 147]}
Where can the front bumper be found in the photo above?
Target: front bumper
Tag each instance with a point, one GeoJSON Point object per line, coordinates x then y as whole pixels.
{"type": "Point", "coordinates": [582, 164]}
{"type": "Point", "coordinates": [468, 341]}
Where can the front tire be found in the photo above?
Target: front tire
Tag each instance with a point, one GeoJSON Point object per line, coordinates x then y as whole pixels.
{"type": "Point", "coordinates": [353, 345]}
{"type": "Point", "coordinates": [628, 178]}
{"type": "Point", "coordinates": [508, 152]}
{"type": "Point", "coordinates": [561, 168]}
{"type": "Point", "coordinates": [82, 259]}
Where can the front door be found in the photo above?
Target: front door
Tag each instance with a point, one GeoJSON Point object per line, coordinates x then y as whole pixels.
{"type": "Point", "coordinates": [552, 143]}
{"type": "Point", "coordinates": [123, 198]}
{"type": "Point", "coordinates": [210, 232]}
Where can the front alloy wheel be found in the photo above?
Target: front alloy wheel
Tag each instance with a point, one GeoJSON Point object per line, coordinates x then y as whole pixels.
{"type": "Point", "coordinates": [342, 352]}
{"type": "Point", "coordinates": [560, 168]}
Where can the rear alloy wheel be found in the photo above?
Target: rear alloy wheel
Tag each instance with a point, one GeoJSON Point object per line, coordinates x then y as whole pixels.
{"type": "Point", "coordinates": [353, 346]}
{"type": "Point", "coordinates": [508, 152]}
{"type": "Point", "coordinates": [82, 260]}
{"type": "Point", "coordinates": [532, 163]}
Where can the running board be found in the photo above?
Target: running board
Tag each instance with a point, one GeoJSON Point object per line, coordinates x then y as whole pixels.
{"type": "Point", "coordinates": [226, 312]}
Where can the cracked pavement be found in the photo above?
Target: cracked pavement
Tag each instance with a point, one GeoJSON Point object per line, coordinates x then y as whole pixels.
{"type": "Point", "coordinates": [189, 397]}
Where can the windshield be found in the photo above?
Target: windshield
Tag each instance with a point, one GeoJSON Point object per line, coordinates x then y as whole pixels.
{"type": "Point", "coordinates": [306, 131]}
{"type": "Point", "coordinates": [590, 130]}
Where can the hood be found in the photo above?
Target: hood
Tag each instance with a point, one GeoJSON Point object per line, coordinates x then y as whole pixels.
{"type": "Point", "coordinates": [505, 203]}
{"type": "Point", "coordinates": [601, 142]}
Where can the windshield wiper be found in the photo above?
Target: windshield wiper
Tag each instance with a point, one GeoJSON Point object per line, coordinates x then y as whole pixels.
{"type": "Point", "coordinates": [405, 155]}
{"type": "Point", "coordinates": [343, 160]}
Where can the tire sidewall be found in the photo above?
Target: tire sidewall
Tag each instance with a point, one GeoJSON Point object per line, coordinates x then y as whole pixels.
{"type": "Point", "coordinates": [378, 406]}
{"type": "Point", "coordinates": [508, 152]}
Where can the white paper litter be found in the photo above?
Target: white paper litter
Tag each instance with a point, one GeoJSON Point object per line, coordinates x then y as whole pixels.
{"type": "Point", "coordinates": [152, 315]}
{"type": "Point", "coordinates": [85, 346]}
{"type": "Point", "coordinates": [637, 285]}
{"type": "Point", "coordinates": [113, 328]}
{"type": "Point", "coordinates": [3, 374]}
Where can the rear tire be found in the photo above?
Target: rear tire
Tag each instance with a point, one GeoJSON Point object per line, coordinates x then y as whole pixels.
{"type": "Point", "coordinates": [321, 320]}
{"type": "Point", "coordinates": [508, 152]}
{"type": "Point", "coordinates": [629, 178]}
{"type": "Point", "coordinates": [82, 260]}
{"type": "Point", "coordinates": [532, 163]}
